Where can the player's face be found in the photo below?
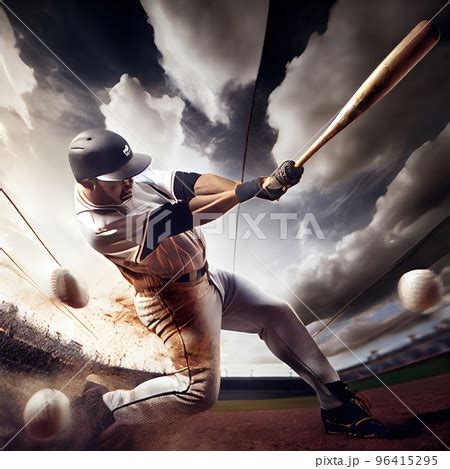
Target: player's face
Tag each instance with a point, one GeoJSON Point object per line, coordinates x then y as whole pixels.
{"type": "Point", "coordinates": [114, 192]}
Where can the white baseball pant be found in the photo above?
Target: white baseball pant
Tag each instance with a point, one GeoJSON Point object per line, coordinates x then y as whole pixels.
{"type": "Point", "coordinates": [188, 318]}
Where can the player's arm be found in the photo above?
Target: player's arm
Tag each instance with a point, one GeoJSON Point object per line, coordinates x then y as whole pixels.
{"type": "Point", "coordinates": [205, 194]}
{"type": "Point", "coordinates": [189, 185]}
{"type": "Point", "coordinates": [210, 196]}
{"type": "Point", "coordinates": [184, 186]}
{"type": "Point", "coordinates": [208, 193]}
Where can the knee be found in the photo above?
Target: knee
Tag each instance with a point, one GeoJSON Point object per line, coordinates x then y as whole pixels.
{"type": "Point", "coordinates": [206, 401]}
{"type": "Point", "coordinates": [206, 392]}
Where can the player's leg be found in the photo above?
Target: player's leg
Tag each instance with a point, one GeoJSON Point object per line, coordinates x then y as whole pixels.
{"type": "Point", "coordinates": [187, 318]}
{"type": "Point", "coordinates": [246, 308]}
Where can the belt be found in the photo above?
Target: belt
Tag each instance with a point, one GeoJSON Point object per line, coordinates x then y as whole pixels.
{"type": "Point", "coordinates": [192, 276]}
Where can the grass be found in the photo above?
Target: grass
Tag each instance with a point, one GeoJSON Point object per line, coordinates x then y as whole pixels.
{"type": "Point", "coordinates": [267, 404]}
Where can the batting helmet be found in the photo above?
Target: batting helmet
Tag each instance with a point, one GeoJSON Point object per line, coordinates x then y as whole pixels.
{"type": "Point", "coordinates": [105, 155]}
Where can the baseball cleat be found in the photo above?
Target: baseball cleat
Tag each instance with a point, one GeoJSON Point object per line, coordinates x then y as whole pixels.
{"type": "Point", "coordinates": [352, 418]}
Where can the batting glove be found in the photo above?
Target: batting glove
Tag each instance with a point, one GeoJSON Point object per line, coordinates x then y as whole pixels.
{"type": "Point", "coordinates": [287, 174]}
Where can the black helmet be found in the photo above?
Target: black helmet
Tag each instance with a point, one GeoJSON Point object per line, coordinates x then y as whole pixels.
{"type": "Point", "coordinates": [105, 155]}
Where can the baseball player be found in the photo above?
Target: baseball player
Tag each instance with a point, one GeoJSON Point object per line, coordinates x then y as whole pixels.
{"type": "Point", "coordinates": [146, 222]}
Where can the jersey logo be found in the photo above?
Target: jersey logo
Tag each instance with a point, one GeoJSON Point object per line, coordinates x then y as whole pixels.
{"type": "Point", "coordinates": [127, 150]}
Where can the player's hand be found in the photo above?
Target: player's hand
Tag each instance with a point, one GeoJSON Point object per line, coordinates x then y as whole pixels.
{"type": "Point", "coordinates": [271, 187]}
{"type": "Point", "coordinates": [285, 176]}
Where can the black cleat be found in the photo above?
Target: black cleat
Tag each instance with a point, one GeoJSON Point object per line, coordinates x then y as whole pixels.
{"type": "Point", "coordinates": [352, 417]}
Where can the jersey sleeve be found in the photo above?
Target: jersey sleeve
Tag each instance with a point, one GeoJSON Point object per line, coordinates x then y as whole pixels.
{"type": "Point", "coordinates": [184, 185]}
{"type": "Point", "coordinates": [177, 185]}
{"type": "Point", "coordinates": [164, 181]}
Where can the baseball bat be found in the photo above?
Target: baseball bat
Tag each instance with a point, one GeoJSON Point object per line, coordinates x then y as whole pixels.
{"type": "Point", "coordinates": [383, 79]}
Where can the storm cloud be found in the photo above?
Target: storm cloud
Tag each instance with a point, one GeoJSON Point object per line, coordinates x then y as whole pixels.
{"type": "Point", "coordinates": [205, 45]}
{"type": "Point", "coordinates": [416, 200]}
{"type": "Point", "coordinates": [145, 121]}
{"type": "Point", "coordinates": [334, 65]}
{"type": "Point", "coordinates": [16, 78]}
{"type": "Point", "coordinates": [151, 125]}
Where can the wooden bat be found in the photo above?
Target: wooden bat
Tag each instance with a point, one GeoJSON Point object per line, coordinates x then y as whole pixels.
{"type": "Point", "coordinates": [382, 80]}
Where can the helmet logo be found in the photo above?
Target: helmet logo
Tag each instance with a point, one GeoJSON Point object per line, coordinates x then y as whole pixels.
{"type": "Point", "coordinates": [127, 150]}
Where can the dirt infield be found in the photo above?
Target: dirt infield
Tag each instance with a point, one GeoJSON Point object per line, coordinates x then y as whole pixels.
{"type": "Point", "coordinates": [300, 429]}
{"type": "Point", "coordinates": [276, 428]}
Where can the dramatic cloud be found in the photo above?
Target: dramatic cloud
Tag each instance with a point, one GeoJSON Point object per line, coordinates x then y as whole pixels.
{"type": "Point", "coordinates": [37, 121]}
{"type": "Point", "coordinates": [416, 200]}
{"type": "Point", "coordinates": [322, 79]}
{"type": "Point", "coordinates": [205, 45]}
{"type": "Point", "coordinates": [145, 121]}
{"type": "Point", "coordinates": [16, 78]}
{"type": "Point", "coordinates": [151, 125]}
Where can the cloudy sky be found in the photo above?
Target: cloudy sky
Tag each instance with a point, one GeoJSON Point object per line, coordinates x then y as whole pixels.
{"type": "Point", "coordinates": [178, 78]}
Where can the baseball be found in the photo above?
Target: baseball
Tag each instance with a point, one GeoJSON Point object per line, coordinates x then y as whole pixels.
{"type": "Point", "coordinates": [46, 414]}
{"type": "Point", "coordinates": [71, 290]}
{"type": "Point", "coordinates": [419, 290]}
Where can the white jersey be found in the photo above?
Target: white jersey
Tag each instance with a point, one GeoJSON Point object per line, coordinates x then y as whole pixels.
{"type": "Point", "coordinates": [120, 232]}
